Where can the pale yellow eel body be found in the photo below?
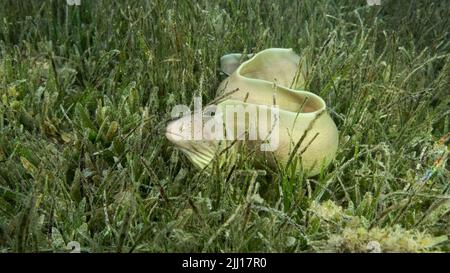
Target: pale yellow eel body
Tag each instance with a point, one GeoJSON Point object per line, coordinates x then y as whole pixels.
{"type": "Point", "coordinates": [266, 79]}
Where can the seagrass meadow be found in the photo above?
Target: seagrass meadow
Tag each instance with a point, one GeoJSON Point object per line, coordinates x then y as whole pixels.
{"type": "Point", "coordinates": [86, 92]}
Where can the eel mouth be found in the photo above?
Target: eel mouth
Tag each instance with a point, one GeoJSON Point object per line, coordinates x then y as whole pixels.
{"type": "Point", "coordinates": [172, 132]}
{"type": "Point", "coordinates": [200, 152]}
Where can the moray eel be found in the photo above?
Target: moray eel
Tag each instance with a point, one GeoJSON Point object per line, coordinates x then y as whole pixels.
{"type": "Point", "coordinates": [260, 104]}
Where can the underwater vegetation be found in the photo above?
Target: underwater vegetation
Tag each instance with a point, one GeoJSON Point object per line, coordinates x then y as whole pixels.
{"type": "Point", "coordinates": [86, 93]}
